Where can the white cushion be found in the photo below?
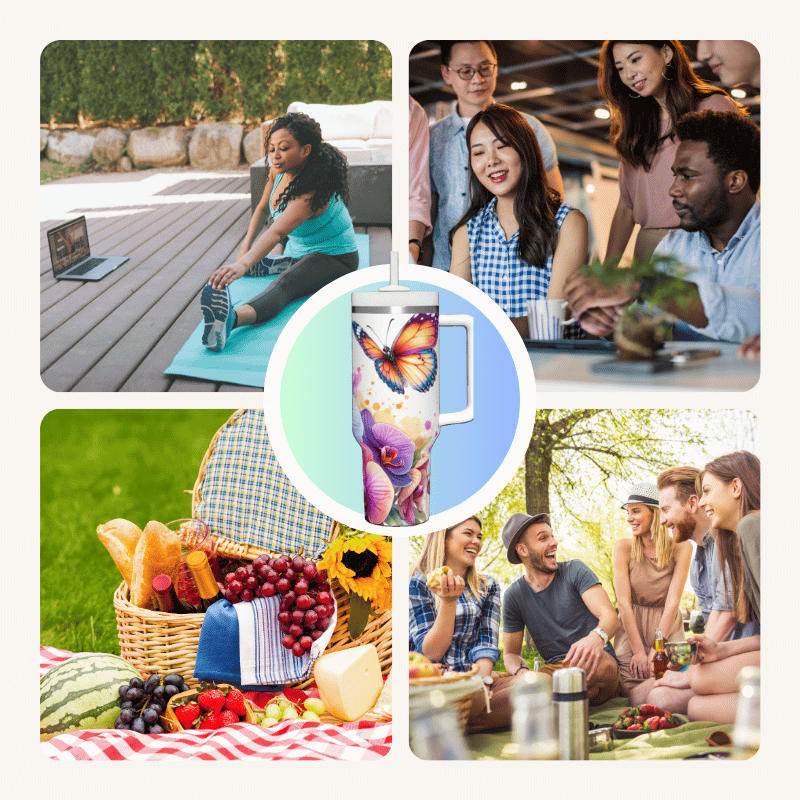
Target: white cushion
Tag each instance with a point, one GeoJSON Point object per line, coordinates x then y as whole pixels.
{"type": "Point", "coordinates": [349, 122]}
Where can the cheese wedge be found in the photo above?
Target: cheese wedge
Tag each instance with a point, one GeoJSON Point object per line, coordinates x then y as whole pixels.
{"type": "Point", "coordinates": [349, 681]}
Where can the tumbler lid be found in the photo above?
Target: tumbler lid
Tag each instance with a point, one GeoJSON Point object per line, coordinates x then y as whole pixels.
{"type": "Point", "coordinates": [394, 298]}
{"type": "Point", "coordinates": [569, 681]}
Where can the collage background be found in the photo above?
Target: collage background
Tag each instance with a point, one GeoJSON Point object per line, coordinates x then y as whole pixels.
{"type": "Point", "coordinates": [399, 25]}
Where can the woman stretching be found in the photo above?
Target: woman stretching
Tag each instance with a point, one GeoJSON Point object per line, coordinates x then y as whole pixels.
{"type": "Point", "coordinates": [307, 196]}
{"type": "Point", "coordinates": [650, 573]}
{"type": "Point", "coordinates": [517, 241]}
{"type": "Point", "coordinates": [454, 616]}
{"type": "Point", "coordinates": [648, 87]}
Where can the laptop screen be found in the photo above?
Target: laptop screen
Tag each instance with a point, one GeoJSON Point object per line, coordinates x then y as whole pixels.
{"type": "Point", "coordinates": [69, 243]}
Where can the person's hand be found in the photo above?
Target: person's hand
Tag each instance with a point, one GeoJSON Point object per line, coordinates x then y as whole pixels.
{"type": "Point", "coordinates": [707, 649]}
{"type": "Point", "coordinates": [600, 321]}
{"type": "Point", "coordinates": [586, 654]}
{"type": "Point", "coordinates": [673, 680]}
{"type": "Point", "coordinates": [640, 666]}
{"type": "Point", "coordinates": [751, 348]}
{"type": "Point", "coordinates": [450, 587]}
{"type": "Point", "coordinates": [584, 292]}
{"type": "Point", "coordinates": [226, 274]}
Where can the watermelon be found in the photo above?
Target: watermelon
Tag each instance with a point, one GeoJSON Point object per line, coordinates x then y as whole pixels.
{"type": "Point", "coordinates": [82, 693]}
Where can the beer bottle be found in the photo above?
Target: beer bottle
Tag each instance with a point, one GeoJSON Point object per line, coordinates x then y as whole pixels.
{"type": "Point", "coordinates": [204, 579]}
{"type": "Point", "coordinates": [660, 660]}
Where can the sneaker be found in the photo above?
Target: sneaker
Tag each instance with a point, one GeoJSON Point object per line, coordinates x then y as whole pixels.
{"type": "Point", "coordinates": [270, 266]}
{"type": "Point", "coordinates": [217, 315]}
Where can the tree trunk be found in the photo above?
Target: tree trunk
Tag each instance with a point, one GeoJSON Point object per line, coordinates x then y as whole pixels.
{"type": "Point", "coordinates": [538, 460]}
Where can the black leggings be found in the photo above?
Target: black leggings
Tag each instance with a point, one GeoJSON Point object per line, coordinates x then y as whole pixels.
{"type": "Point", "coordinates": [304, 277]}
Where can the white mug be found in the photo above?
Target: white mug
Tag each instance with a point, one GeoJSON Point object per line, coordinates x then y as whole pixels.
{"type": "Point", "coordinates": [547, 319]}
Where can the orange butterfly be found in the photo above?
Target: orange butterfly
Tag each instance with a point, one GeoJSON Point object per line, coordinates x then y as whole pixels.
{"type": "Point", "coordinates": [411, 359]}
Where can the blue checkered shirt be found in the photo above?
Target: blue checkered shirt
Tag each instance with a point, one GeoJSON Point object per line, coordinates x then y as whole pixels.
{"type": "Point", "coordinates": [450, 175]}
{"type": "Point", "coordinates": [477, 626]}
{"type": "Point", "coordinates": [498, 270]}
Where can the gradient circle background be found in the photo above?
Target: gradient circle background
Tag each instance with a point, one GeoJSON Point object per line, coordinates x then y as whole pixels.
{"type": "Point", "coordinates": [316, 404]}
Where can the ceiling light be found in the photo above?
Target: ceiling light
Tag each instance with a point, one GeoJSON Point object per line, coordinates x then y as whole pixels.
{"type": "Point", "coordinates": [518, 86]}
{"type": "Point", "coordinates": [738, 93]}
{"type": "Point", "coordinates": [589, 188]}
{"type": "Point", "coordinates": [602, 113]}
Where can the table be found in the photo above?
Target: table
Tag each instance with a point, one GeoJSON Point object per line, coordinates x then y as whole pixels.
{"type": "Point", "coordinates": [559, 370]}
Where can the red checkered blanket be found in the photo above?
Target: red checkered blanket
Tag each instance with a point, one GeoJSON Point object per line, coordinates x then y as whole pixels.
{"type": "Point", "coordinates": [293, 740]}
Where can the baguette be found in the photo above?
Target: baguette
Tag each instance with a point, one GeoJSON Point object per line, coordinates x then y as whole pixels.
{"type": "Point", "coordinates": [120, 538]}
{"type": "Point", "coordinates": [158, 551]}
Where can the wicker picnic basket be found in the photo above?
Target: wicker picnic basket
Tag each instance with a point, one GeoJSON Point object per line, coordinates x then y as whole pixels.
{"type": "Point", "coordinates": [462, 705]}
{"type": "Point", "coordinates": [155, 642]}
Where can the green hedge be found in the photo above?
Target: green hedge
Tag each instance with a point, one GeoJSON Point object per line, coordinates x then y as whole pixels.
{"type": "Point", "coordinates": [146, 82]}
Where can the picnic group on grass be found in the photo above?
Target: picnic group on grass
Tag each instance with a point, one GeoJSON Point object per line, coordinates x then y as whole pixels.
{"type": "Point", "coordinates": [689, 177]}
{"type": "Point", "coordinates": [570, 617]}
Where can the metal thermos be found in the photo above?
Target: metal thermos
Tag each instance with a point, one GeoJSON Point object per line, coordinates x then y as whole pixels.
{"type": "Point", "coordinates": [571, 703]}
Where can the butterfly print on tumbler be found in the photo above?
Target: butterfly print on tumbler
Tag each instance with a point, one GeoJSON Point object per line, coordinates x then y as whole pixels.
{"type": "Point", "coordinates": [411, 359]}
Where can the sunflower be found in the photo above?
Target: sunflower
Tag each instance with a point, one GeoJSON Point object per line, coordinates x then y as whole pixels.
{"type": "Point", "coordinates": [362, 563]}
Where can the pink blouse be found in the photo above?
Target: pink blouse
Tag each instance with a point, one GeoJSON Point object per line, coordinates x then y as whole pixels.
{"type": "Point", "coordinates": [647, 193]}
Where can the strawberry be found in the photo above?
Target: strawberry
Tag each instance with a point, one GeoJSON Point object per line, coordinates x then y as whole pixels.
{"type": "Point", "coordinates": [211, 720]}
{"type": "Point", "coordinates": [648, 710]}
{"type": "Point", "coordinates": [227, 717]}
{"type": "Point", "coordinates": [235, 702]}
{"type": "Point", "coordinates": [187, 714]}
{"type": "Point", "coordinates": [211, 700]}
{"type": "Point", "coordinates": [653, 722]}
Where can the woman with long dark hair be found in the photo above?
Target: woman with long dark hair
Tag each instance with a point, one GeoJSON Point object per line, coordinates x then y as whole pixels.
{"type": "Point", "coordinates": [454, 616]}
{"type": "Point", "coordinates": [730, 492]}
{"type": "Point", "coordinates": [649, 86]}
{"type": "Point", "coordinates": [517, 241]}
{"type": "Point", "coordinates": [307, 196]}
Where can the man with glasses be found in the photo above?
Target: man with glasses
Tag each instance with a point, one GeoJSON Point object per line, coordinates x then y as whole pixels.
{"type": "Point", "coordinates": [471, 69]}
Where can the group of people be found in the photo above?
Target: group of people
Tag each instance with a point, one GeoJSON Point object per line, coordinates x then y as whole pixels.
{"type": "Point", "coordinates": [455, 619]}
{"type": "Point", "coordinates": [689, 177]}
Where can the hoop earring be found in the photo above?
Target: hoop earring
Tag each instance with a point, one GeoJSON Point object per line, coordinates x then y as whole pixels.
{"type": "Point", "coordinates": [634, 96]}
{"type": "Point", "coordinates": [666, 66]}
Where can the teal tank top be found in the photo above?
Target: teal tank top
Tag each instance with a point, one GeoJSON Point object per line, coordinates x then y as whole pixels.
{"type": "Point", "coordinates": [331, 232]}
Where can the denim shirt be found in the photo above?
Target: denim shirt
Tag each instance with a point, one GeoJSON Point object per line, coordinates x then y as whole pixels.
{"type": "Point", "coordinates": [700, 574]}
{"type": "Point", "coordinates": [729, 281]}
{"type": "Point", "coordinates": [450, 175]}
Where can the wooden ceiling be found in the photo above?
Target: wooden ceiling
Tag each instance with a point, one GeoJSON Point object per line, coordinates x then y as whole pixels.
{"type": "Point", "coordinates": [561, 79]}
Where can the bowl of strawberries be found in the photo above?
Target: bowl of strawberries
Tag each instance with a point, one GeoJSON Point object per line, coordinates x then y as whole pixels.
{"type": "Point", "coordinates": [646, 718]}
{"type": "Point", "coordinates": [208, 706]}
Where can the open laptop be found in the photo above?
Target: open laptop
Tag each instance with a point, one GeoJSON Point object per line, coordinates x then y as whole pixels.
{"type": "Point", "coordinates": [70, 255]}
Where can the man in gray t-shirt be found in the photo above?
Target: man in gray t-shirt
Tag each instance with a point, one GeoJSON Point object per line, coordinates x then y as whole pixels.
{"type": "Point", "coordinates": [563, 606]}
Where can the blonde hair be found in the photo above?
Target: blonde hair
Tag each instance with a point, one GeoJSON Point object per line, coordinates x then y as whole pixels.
{"type": "Point", "coordinates": [432, 557]}
{"type": "Point", "coordinates": [661, 540]}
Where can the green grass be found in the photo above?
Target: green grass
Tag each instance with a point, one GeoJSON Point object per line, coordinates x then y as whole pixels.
{"type": "Point", "coordinates": [52, 171]}
{"type": "Point", "coordinates": [96, 466]}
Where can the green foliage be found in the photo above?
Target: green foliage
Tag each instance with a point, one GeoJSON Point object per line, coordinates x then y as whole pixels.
{"type": "Point", "coordinates": [144, 82]}
{"type": "Point", "coordinates": [529, 652]}
{"type": "Point", "coordinates": [96, 466]}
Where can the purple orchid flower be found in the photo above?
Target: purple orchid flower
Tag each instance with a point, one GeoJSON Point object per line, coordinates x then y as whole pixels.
{"type": "Point", "coordinates": [391, 449]}
{"type": "Point", "coordinates": [378, 490]}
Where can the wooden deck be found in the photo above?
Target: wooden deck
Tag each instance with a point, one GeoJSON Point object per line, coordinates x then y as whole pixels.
{"type": "Point", "coordinates": [176, 226]}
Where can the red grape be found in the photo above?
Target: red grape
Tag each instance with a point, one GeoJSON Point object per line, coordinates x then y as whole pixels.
{"type": "Point", "coordinates": [321, 576]}
{"type": "Point", "coordinates": [247, 596]}
{"type": "Point", "coordinates": [289, 596]}
{"type": "Point", "coordinates": [296, 630]}
{"type": "Point", "coordinates": [282, 585]}
{"type": "Point", "coordinates": [306, 642]}
{"type": "Point", "coordinates": [331, 609]}
{"type": "Point", "coordinates": [310, 571]}
{"type": "Point", "coordinates": [268, 589]}
{"type": "Point", "coordinates": [230, 577]}
{"type": "Point", "coordinates": [298, 616]}
{"type": "Point", "coordinates": [322, 623]}
{"type": "Point", "coordinates": [315, 634]}
{"type": "Point", "coordinates": [298, 650]}
{"type": "Point", "coordinates": [250, 570]}
{"type": "Point", "coordinates": [252, 583]}
{"type": "Point", "coordinates": [288, 641]}
{"type": "Point", "coordinates": [304, 602]}
{"type": "Point", "coordinates": [311, 618]}
{"type": "Point", "coordinates": [271, 575]}
{"type": "Point", "coordinates": [260, 561]}
{"type": "Point", "coordinates": [322, 611]}
{"type": "Point", "coordinates": [241, 574]}
{"type": "Point", "coordinates": [298, 562]}
{"type": "Point", "coordinates": [237, 586]}
{"type": "Point", "coordinates": [285, 628]}
{"type": "Point", "coordinates": [263, 572]}
{"type": "Point", "coordinates": [284, 617]}
{"type": "Point", "coordinates": [290, 575]}
{"type": "Point", "coordinates": [301, 586]}
{"type": "Point", "coordinates": [280, 565]}
{"type": "Point", "coordinates": [324, 598]}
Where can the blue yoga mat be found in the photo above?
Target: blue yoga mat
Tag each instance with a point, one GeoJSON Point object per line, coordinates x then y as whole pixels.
{"type": "Point", "coordinates": [246, 355]}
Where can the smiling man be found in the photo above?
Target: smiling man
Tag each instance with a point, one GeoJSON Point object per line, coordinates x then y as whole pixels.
{"type": "Point", "coordinates": [717, 171]}
{"type": "Point", "coordinates": [563, 606]}
{"type": "Point", "coordinates": [470, 69]}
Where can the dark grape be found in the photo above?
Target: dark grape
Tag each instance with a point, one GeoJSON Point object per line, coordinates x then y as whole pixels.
{"type": "Point", "coordinates": [173, 679]}
{"type": "Point", "coordinates": [171, 690]}
{"type": "Point", "coordinates": [151, 683]}
{"type": "Point", "coordinates": [127, 715]}
{"type": "Point", "coordinates": [150, 715]}
{"type": "Point", "coordinates": [158, 692]}
{"type": "Point", "coordinates": [136, 683]}
{"type": "Point", "coordinates": [127, 704]}
{"type": "Point", "coordinates": [155, 729]}
{"type": "Point", "coordinates": [136, 694]}
{"type": "Point", "coordinates": [123, 692]}
{"type": "Point", "coordinates": [122, 726]}
{"type": "Point", "coordinates": [184, 687]}
{"type": "Point", "coordinates": [139, 725]}
{"type": "Point", "coordinates": [157, 707]}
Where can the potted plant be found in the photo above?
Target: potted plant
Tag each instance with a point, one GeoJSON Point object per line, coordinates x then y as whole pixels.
{"type": "Point", "coordinates": [643, 327]}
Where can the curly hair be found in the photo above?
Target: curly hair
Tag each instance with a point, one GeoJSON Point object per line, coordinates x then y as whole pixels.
{"type": "Point", "coordinates": [535, 203]}
{"type": "Point", "coordinates": [734, 142]}
{"type": "Point", "coordinates": [325, 171]}
{"type": "Point", "coordinates": [636, 121]}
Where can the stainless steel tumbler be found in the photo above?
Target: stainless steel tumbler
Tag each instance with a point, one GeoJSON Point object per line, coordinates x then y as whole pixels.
{"type": "Point", "coordinates": [571, 703]}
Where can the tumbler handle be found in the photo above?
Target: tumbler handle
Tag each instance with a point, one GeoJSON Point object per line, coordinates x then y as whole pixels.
{"type": "Point", "coordinates": [466, 322]}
